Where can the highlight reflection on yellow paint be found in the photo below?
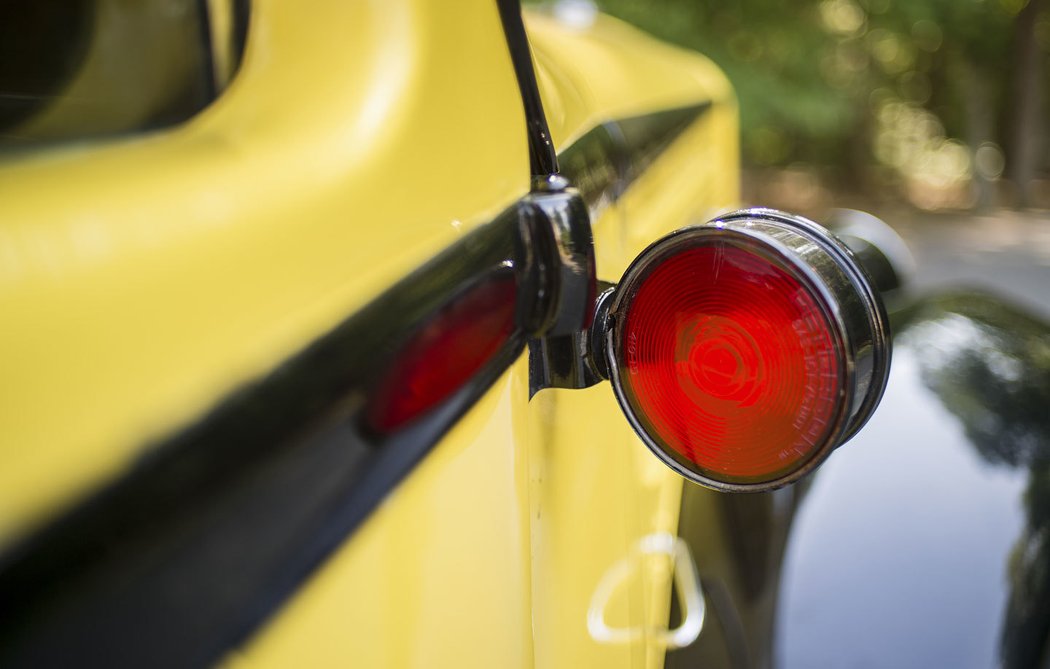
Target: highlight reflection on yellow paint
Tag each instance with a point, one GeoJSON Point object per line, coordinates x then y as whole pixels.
{"type": "Point", "coordinates": [146, 277]}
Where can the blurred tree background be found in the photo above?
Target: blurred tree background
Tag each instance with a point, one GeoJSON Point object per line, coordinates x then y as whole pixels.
{"type": "Point", "coordinates": [941, 101]}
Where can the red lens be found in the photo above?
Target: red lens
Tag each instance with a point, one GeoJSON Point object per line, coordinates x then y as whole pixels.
{"type": "Point", "coordinates": [729, 359]}
{"type": "Point", "coordinates": [445, 353]}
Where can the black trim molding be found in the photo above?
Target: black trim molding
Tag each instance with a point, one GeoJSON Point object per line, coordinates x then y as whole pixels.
{"type": "Point", "coordinates": [183, 557]}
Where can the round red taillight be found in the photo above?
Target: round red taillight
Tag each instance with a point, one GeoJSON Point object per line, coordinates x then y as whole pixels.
{"type": "Point", "coordinates": [744, 351]}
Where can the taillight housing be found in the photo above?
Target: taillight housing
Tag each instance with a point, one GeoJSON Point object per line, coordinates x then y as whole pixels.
{"type": "Point", "coordinates": [745, 350]}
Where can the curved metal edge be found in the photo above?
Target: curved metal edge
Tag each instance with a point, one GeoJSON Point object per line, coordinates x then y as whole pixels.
{"type": "Point", "coordinates": [882, 252]}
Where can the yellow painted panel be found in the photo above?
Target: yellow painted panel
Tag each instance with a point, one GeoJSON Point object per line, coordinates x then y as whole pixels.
{"type": "Point", "coordinates": [596, 493]}
{"type": "Point", "coordinates": [605, 69]}
{"type": "Point", "coordinates": [570, 487]}
{"type": "Point", "coordinates": [694, 180]}
{"type": "Point", "coordinates": [142, 279]}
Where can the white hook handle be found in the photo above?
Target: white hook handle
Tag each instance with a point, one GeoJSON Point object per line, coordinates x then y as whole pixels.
{"type": "Point", "coordinates": [687, 585]}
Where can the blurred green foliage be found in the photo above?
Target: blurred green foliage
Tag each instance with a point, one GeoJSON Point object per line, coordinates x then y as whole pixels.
{"type": "Point", "coordinates": [771, 51]}
{"type": "Point", "coordinates": [909, 87]}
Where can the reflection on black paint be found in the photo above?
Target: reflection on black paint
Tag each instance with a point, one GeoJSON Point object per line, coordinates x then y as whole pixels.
{"type": "Point", "coordinates": [738, 542]}
{"type": "Point", "coordinates": [990, 366]}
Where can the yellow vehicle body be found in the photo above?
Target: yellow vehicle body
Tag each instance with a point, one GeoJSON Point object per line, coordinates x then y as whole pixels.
{"type": "Point", "coordinates": [142, 279]}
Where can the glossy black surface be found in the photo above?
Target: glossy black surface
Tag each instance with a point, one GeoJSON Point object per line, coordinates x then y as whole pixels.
{"type": "Point", "coordinates": [738, 543]}
{"type": "Point", "coordinates": [876, 246]}
{"type": "Point", "coordinates": [926, 543]}
{"type": "Point", "coordinates": [543, 160]}
{"type": "Point", "coordinates": [567, 361]}
{"type": "Point", "coordinates": [564, 249]}
{"type": "Point", "coordinates": [559, 216]}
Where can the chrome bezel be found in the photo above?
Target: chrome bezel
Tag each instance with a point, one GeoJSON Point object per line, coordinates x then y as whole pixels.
{"type": "Point", "coordinates": [851, 307]}
{"type": "Point", "coordinates": [877, 322]}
